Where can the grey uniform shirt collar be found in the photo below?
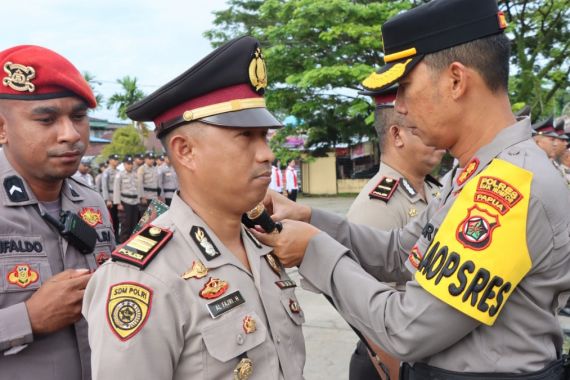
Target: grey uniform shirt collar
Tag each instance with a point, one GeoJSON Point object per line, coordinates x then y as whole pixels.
{"type": "Point", "coordinates": [184, 218]}
{"type": "Point", "coordinates": [68, 189]}
{"type": "Point", "coordinates": [512, 135]}
{"type": "Point", "coordinates": [389, 171]}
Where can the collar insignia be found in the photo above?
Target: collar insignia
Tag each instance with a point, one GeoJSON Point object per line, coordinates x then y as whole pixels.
{"type": "Point", "coordinates": [258, 71]}
{"type": "Point", "coordinates": [469, 170]}
{"type": "Point", "coordinates": [274, 263]}
{"type": "Point", "coordinates": [15, 189]}
{"type": "Point", "coordinates": [204, 243]}
{"type": "Point", "coordinates": [198, 270]}
{"type": "Point", "coordinates": [19, 77]}
{"type": "Point", "coordinates": [408, 188]}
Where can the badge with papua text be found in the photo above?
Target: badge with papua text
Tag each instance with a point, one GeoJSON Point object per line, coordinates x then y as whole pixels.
{"type": "Point", "coordinates": [244, 369]}
{"type": "Point", "coordinates": [91, 216]}
{"type": "Point", "coordinates": [204, 243]}
{"type": "Point", "coordinates": [384, 189]}
{"type": "Point", "coordinates": [142, 247]}
{"type": "Point", "coordinates": [23, 275]}
{"type": "Point", "coordinates": [214, 288]}
{"type": "Point", "coordinates": [225, 304]}
{"type": "Point", "coordinates": [258, 71]}
{"type": "Point", "coordinates": [198, 270]}
{"type": "Point", "coordinates": [128, 308]}
{"type": "Point", "coordinates": [274, 263]}
{"type": "Point", "coordinates": [249, 324]}
{"type": "Point", "coordinates": [19, 77]}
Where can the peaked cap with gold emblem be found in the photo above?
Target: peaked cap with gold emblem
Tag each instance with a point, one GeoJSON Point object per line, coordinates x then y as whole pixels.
{"type": "Point", "coordinates": [431, 27]}
{"type": "Point", "coordinates": [29, 72]}
{"type": "Point", "coordinates": [224, 89]}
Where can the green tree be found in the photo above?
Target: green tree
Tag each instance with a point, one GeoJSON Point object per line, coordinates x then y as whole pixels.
{"type": "Point", "coordinates": [540, 34]}
{"type": "Point", "coordinates": [130, 94]}
{"type": "Point", "coordinates": [91, 80]}
{"type": "Point", "coordinates": [319, 51]}
{"type": "Point", "coordinates": [126, 140]}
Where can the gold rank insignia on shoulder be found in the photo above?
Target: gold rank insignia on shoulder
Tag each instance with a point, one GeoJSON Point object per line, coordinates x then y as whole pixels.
{"type": "Point", "coordinates": [244, 369]}
{"type": "Point", "coordinates": [198, 270]}
{"type": "Point", "coordinates": [128, 308]}
{"type": "Point", "coordinates": [19, 77]}
{"type": "Point", "coordinates": [204, 243]}
{"type": "Point", "coordinates": [258, 71]}
{"type": "Point", "coordinates": [142, 247]}
{"type": "Point", "coordinates": [384, 189]}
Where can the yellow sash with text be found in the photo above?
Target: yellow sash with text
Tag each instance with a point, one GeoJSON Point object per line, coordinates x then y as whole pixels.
{"type": "Point", "coordinates": [479, 254]}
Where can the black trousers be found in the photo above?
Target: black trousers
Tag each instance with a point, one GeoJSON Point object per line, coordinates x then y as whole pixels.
{"type": "Point", "coordinates": [115, 220]}
{"type": "Point", "coordinates": [129, 218]}
{"type": "Point", "coordinates": [361, 366]}
{"type": "Point", "coordinates": [292, 194]}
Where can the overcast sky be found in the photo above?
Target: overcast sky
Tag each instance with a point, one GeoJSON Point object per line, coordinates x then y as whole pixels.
{"type": "Point", "coordinates": [153, 40]}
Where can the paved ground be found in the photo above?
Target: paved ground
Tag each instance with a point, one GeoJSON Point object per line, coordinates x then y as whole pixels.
{"type": "Point", "coordinates": [329, 340]}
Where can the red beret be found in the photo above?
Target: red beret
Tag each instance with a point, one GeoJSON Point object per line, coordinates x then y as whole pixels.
{"type": "Point", "coordinates": [36, 73]}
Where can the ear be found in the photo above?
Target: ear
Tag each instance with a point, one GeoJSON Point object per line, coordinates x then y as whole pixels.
{"type": "Point", "coordinates": [459, 76]}
{"type": "Point", "coordinates": [3, 131]}
{"type": "Point", "coordinates": [182, 149]}
{"type": "Point", "coordinates": [396, 135]}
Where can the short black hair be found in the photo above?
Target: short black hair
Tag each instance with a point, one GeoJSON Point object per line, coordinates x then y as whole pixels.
{"type": "Point", "coordinates": [489, 56]}
{"type": "Point", "coordinates": [384, 118]}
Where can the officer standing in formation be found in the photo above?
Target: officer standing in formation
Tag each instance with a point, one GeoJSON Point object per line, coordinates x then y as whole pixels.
{"type": "Point", "coordinates": [138, 162]}
{"type": "Point", "coordinates": [398, 193]}
{"type": "Point", "coordinates": [126, 198]}
{"type": "Point", "coordinates": [276, 183]}
{"type": "Point", "coordinates": [147, 177]}
{"type": "Point", "coordinates": [543, 133]}
{"type": "Point", "coordinates": [194, 295]}
{"type": "Point", "coordinates": [491, 258]}
{"type": "Point", "coordinates": [82, 174]}
{"type": "Point", "coordinates": [107, 184]}
{"type": "Point", "coordinates": [44, 130]}
{"type": "Point", "coordinates": [167, 181]}
{"type": "Point", "coordinates": [99, 178]}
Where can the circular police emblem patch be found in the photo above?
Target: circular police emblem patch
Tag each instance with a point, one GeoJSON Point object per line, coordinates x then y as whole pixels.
{"type": "Point", "coordinates": [128, 307]}
{"type": "Point", "coordinates": [475, 231]}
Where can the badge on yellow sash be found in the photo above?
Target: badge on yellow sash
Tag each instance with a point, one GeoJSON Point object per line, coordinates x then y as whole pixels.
{"type": "Point", "coordinates": [479, 254]}
{"type": "Point", "coordinates": [128, 308]}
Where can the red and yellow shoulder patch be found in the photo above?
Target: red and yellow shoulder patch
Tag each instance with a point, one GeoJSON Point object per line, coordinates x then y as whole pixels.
{"type": "Point", "coordinates": [22, 275]}
{"type": "Point", "coordinates": [91, 216]}
{"type": "Point", "coordinates": [128, 308]}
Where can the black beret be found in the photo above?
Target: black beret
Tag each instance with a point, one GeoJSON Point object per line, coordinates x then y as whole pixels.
{"type": "Point", "coordinates": [224, 89]}
{"type": "Point", "coordinates": [431, 27]}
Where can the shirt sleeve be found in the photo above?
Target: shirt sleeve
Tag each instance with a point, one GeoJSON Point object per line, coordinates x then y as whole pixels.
{"type": "Point", "coordinates": [117, 190]}
{"type": "Point", "coordinates": [105, 186]}
{"type": "Point", "coordinates": [153, 351]}
{"type": "Point", "coordinates": [15, 327]}
{"type": "Point", "coordinates": [410, 325]}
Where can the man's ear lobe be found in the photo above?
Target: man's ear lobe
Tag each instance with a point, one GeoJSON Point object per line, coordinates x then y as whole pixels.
{"type": "Point", "coordinates": [459, 79]}
{"type": "Point", "coordinates": [3, 132]}
{"type": "Point", "coordinates": [181, 149]}
{"type": "Point", "coordinates": [395, 135]}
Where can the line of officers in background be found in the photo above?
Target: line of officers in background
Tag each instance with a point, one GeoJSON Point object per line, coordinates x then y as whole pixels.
{"type": "Point", "coordinates": [551, 137]}
{"type": "Point", "coordinates": [128, 188]}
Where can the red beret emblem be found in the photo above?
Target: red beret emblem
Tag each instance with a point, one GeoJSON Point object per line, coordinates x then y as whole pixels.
{"type": "Point", "coordinates": [19, 77]}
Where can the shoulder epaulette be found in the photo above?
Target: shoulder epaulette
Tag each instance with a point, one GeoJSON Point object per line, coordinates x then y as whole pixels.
{"type": "Point", "coordinates": [384, 189]}
{"type": "Point", "coordinates": [142, 247]}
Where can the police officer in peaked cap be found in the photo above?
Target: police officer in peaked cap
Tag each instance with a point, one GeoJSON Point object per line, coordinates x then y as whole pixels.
{"type": "Point", "coordinates": [490, 260]}
{"type": "Point", "coordinates": [194, 295]}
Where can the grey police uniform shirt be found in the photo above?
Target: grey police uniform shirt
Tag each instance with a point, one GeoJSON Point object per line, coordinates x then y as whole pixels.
{"type": "Point", "coordinates": [148, 182]}
{"type": "Point", "coordinates": [418, 327]}
{"type": "Point", "coordinates": [31, 251]}
{"type": "Point", "coordinates": [167, 181]}
{"type": "Point", "coordinates": [126, 188]}
{"type": "Point", "coordinates": [180, 338]}
{"type": "Point", "coordinates": [107, 183]}
{"type": "Point", "coordinates": [404, 205]}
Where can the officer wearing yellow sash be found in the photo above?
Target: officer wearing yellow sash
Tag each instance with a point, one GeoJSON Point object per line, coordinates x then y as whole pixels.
{"type": "Point", "coordinates": [491, 258]}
